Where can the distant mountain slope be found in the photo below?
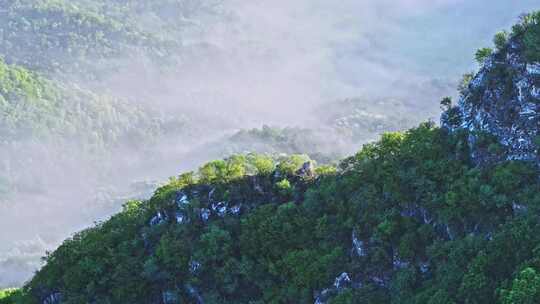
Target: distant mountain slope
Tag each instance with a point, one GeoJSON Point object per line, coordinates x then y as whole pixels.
{"type": "Point", "coordinates": [32, 107]}
{"type": "Point", "coordinates": [363, 120]}
{"type": "Point", "coordinates": [47, 121]}
{"type": "Point", "coordinates": [62, 36]}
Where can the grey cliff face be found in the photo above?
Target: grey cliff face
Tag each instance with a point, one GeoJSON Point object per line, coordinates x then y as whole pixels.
{"type": "Point", "coordinates": [501, 101]}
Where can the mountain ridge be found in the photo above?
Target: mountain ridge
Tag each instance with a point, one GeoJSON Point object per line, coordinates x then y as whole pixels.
{"type": "Point", "coordinates": [441, 215]}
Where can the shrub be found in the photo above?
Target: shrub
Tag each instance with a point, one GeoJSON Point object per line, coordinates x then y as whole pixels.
{"type": "Point", "coordinates": [500, 40]}
{"type": "Point", "coordinates": [483, 54]}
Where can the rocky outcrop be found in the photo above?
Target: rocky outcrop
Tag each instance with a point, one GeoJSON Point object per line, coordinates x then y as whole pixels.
{"type": "Point", "coordinates": [158, 219]}
{"type": "Point", "coordinates": [53, 298]}
{"type": "Point", "coordinates": [169, 297]}
{"type": "Point", "coordinates": [340, 283]}
{"type": "Point", "coordinates": [307, 170]}
{"type": "Point", "coordinates": [501, 101]}
{"type": "Point", "coordinates": [358, 245]}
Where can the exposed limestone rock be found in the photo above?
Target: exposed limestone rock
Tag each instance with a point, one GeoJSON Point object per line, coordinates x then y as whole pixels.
{"type": "Point", "coordinates": [379, 280]}
{"type": "Point", "coordinates": [211, 194]}
{"type": "Point", "coordinates": [205, 214]}
{"type": "Point", "coordinates": [54, 298]}
{"type": "Point", "coordinates": [398, 263]}
{"type": "Point", "coordinates": [423, 267]}
{"type": "Point", "coordinates": [518, 208]}
{"type": "Point", "coordinates": [181, 218]}
{"type": "Point", "coordinates": [194, 266]}
{"type": "Point", "coordinates": [169, 297]}
{"type": "Point", "coordinates": [182, 199]}
{"type": "Point", "coordinates": [194, 294]}
{"type": "Point", "coordinates": [358, 245]}
{"type": "Point", "coordinates": [502, 100]}
{"type": "Point", "coordinates": [533, 68]}
{"type": "Point", "coordinates": [220, 208]}
{"type": "Point", "coordinates": [342, 281]}
{"type": "Point", "coordinates": [235, 210]}
{"type": "Point", "coordinates": [307, 170]}
{"type": "Point", "coordinates": [323, 296]}
{"type": "Point", "coordinates": [158, 219]}
{"type": "Point", "coordinates": [420, 213]}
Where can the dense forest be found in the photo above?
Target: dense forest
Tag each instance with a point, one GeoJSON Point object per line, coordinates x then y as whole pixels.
{"type": "Point", "coordinates": [437, 214]}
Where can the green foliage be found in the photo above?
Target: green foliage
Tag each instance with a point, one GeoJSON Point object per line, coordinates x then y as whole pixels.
{"type": "Point", "coordinates": [525, 288]}
{"type": "Point", "coordinates": [529, 31]}
{"type": "Point", "coordinates": [500, 40]}
{"type": "Point", "coordinates": [274, 140]}
{"type": "Point", "coordinates": [62, 36]}
{"type": "Point", "coordinates": [263, 164]}
{"type": "Point", "coordinates": [446, 103]}
{"type": "Point", "coordinates": [284, 187]}
{"type": "Point", "coordinates": [410, 218]}
{"type": "Point", "coordinates": [325, 170]}
{"type": "Point", "coordinates": [11, 296]}
{"type": "Point", "coordinates": [482, 54]}
{"type": "Point", "coordinates": [223, 170]}
{"type": "Point", "coordinates": [464, 84]}
{"type": "Point", "coordinates": [290, 164]}
{"type": "Point", "coordinates": [35, 108]}
{"type": "Point", "coordinates": [411, 196]}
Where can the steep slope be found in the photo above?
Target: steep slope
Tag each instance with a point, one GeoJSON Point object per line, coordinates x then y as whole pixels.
{"type": "Point", "coordinates": [408, 219]}
{"type": "Point", "coordinates": [500, 104]}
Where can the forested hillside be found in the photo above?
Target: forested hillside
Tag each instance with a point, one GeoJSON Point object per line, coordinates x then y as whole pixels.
{"type": "Point", "coordinates": [35, 108]}
{"type": "Point", "coordinates": [434, 214]}
{"type": "Point", "coordinates": [409, 218]}
{"type": "Point", "coordinates": [100, 100]}
{"type": "Point", "coordinates": [68, 37]}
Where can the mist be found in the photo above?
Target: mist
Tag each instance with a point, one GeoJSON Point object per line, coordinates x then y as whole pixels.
{"type": "Point", "coordinates": [241, 65]}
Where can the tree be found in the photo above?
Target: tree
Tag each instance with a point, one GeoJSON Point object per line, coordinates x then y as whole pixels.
{"type": "Point", "coordinates": [525, 288]}
{"type": "Point", "coordinates": [500, 40]}
{"type": "Point", "coordinates": [483, 54]}
{"type": "Point", "coordinates": [446, 103]}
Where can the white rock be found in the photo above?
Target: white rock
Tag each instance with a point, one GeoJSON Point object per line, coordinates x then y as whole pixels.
{"type": "Point", "coordinates": [358, 245]}
{"type": "Point", "coordinates": [398, 263]}
{"type": "Point", "coordinates": [182, 199]}
{"type": "Point", "coordinates": [341, 280]}
{"type": "Point", "coordinates": [522, 86]}
{"type": "Point", "coordinates": [169, 297]}
{"type": "Point", "coordinates": [236, 209]}
{"type": "Point", "coordinates": [54, 298]}
{"type": "Point", "coordinates": [321, 299]}
{"type": "Point", "coordinates": [535, 92]}
{"type": "Point", "coordinates": [158, 219]}
{"type": "Point", "coordinates": [180, 217]}
{"type": "Point", "coordinates": [519, 208]}
{"type": "Point", "coordinates": [533, 68]}
{"type": "Point", "coordinates": [220, 208]}
{"type": "Point", "coordinates": [528, 109]}
{"type": "Point", "coordinates": [477, 80]}
{"type": "Point", "coordinates": [194, 266]}
{"type": "Point", "coordinates": [424, 267]}
{"type": "Point", "coordinates": [205, 214]}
